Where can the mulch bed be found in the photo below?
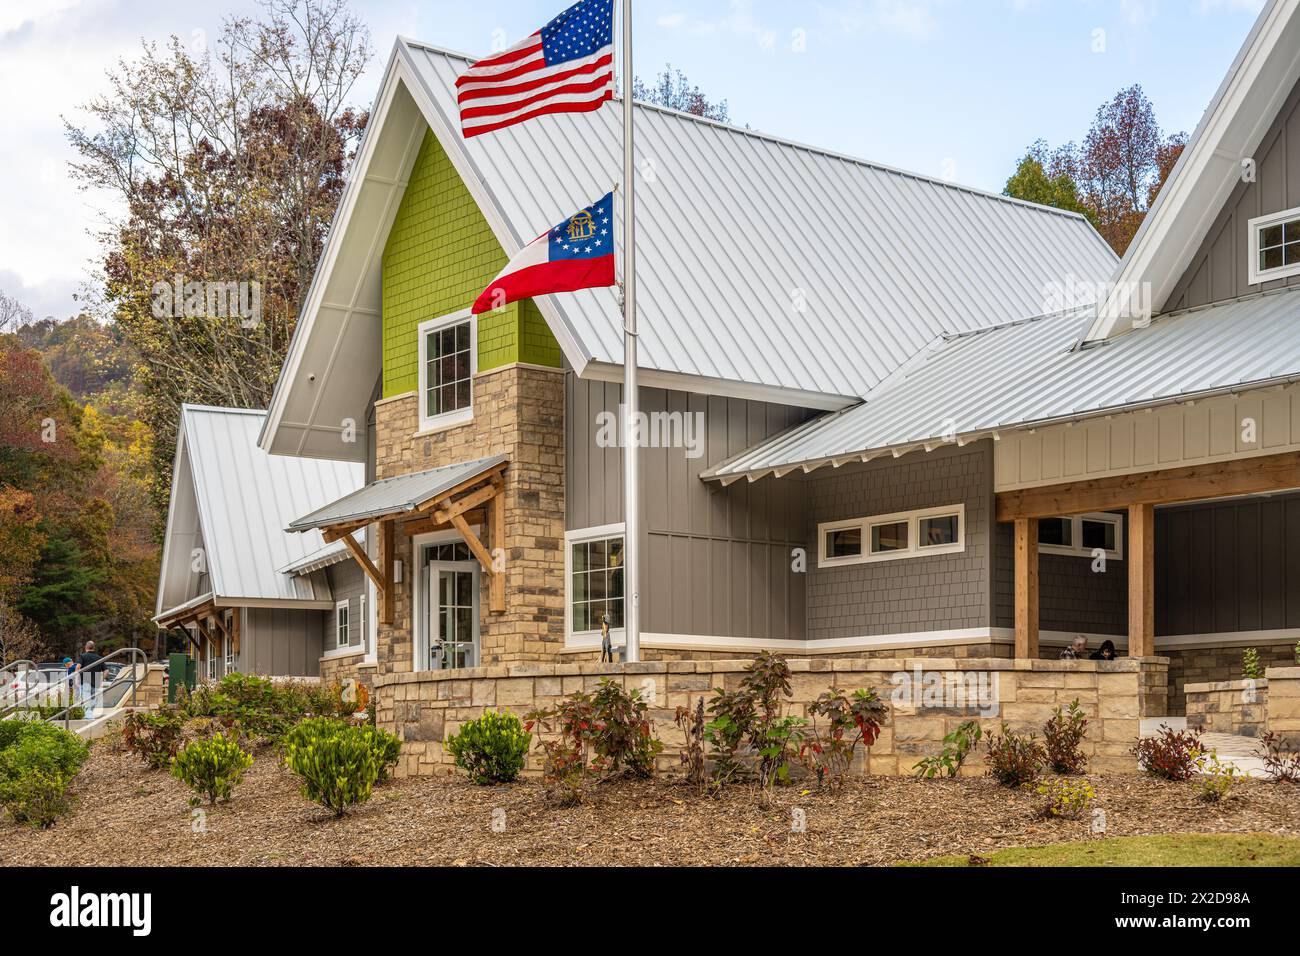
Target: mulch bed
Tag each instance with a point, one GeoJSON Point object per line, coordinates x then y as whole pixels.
{"type": "Point", "coordinates": [128, 815]}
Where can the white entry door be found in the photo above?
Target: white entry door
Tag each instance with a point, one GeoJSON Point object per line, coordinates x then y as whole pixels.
{"type": "Point", "coordinates": [450, 592]}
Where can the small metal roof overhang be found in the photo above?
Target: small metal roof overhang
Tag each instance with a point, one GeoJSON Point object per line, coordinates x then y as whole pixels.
{"type": "Point", "coordinates": [391, 497]}
{"type": "Point", "coordinates": [1027, 374]}
{"type": "Point", "coordinates": [175, 615]}
{"type": "Point", "coordinates": [336, 552]}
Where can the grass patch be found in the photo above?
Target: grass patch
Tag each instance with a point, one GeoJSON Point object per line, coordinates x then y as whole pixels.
{"type": "Point", "coordinates": [1177, 849]}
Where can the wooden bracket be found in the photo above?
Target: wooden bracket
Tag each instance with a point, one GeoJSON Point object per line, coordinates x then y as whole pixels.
{"type": "Point", "coordinates": [363, 559]}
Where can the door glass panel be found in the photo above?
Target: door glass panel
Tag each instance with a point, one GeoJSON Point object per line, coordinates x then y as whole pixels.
{"type": "Point", "coordinates": [454, 632]}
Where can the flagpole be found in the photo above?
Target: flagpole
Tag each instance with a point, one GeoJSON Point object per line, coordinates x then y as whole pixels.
{"type": "Point", "coordinates": [631, 436]}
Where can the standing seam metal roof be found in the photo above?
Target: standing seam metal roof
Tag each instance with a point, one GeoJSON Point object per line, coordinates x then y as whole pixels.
{"type": "Point", "coordinates": [1026, 373]}
{"type": "Point", "coordinates": [246, 496]}
{"type": "Point", "coordinates": [734, 223]}
{"type": "Point", "coordinates": [394, 495]}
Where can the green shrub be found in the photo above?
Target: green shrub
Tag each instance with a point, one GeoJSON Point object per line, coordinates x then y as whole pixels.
{"type": "Point", "coordinates": [1251, 667]}
{"type": "Point", "coordinates": [212, 767]}
{"type": "Point", "coordinates": [44, 747]}
{"type": "Point", "coordinates": [36, 797]}
{"type": "Point", "coordinates": [1014, 759]}
{"type": "Point", "coordinates": [9, 732]}
{"type": "Point", "coordinates": [956, 747]}
{"type": "Point", "coordinates": [339, 763]}
{"type": "Point", "coordinates": [491, 749]}
{"type": "Point", "coordinates": [37, 762]}
{"type": "Point", "coordinates": [261, 707]}
{"type": "Point", "coordinates": [1062, 735]}
{"type": "Point", "coordinates": [154, 738]}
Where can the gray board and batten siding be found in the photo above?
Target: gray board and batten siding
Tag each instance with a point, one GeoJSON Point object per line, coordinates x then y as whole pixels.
{"type": "Point", "coordinates": [1218, 271]}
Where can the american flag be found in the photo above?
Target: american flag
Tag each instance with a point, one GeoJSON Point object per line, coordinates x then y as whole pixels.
{"type": "Point", "coordinates": [565, 67]}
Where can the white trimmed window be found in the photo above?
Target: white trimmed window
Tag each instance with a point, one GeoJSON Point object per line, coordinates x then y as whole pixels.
{"type": "Point", "coordinates": [342, 624]}
{"type": "Point", "coordinates": [448, 357]}
{"type": "Point", "coordinates": [907, 534]}
{"type": "Point", "coordinates": [1274, 246]}
{"type": "Point", "coordinates": [1082, 535]}
{"type": "Point", "coordinates": [229, 642]}
{"type": "Point", "coordinates": [593, 579]}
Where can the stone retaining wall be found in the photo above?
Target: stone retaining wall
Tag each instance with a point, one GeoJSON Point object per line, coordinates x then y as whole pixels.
{"type": "Point", "coordinates": [1228, 707]}
{"type": "Point", "coordinates": [424, 708]}
{"type": "Point", "coordinates": [1283, 716]}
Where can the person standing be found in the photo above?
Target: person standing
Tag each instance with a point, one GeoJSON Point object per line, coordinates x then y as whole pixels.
{"type": "Point", "coordinates": [88, 668]}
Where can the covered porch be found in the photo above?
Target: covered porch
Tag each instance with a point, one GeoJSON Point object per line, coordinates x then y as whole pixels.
{"type": "Point", "coordinates": [463, 501]}
{"type": "Point", "coordinates": [1137, 497]}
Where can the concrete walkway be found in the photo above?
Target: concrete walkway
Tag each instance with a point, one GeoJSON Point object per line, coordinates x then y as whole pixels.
{"type": "Point", "coordinates": [1241, 752]}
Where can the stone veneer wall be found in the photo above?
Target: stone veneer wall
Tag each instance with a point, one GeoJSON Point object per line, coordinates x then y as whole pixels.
{"type": "Point", "coordinates": [424, 708]}
{"type": "Point", "coordinates": [518, 411]}
{"type": "Point", "coordinates": [1284, 705]}
{"type": "Point", "coordinates": [1212, 664]}
{"type": "Point", "coordinates": [1228, 707]}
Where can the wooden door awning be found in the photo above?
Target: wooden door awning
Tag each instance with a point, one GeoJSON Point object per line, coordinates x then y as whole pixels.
{"type": "Point", "coordinates": [453, 496]}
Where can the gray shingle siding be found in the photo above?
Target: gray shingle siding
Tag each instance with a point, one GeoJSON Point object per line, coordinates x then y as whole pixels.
{"type": "Point", "coordinates": [1071, 596]}
{"type": "Point", "coordinates": [931, 593]}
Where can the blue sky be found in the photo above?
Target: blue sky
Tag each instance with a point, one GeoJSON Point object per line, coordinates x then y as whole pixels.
{"type": "Point", "coordinates": [952, 88]}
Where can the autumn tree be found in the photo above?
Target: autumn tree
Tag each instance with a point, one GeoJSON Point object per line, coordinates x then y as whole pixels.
{"type": "Point", "coordinates": [1116, 172]}
{"type": "Point", "coordinates": [673, 90]}
{"type": "Point", "coordinates": [1044, 178]}
{"type": "Point", "coordinates": [228, 165]}
{"type": "Point", "coordinates": [78, 533]}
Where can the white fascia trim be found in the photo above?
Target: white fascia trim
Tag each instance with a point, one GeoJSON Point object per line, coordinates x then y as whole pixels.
{"type": "Point", "coordinates": [450, 138]}
{"type": "Point", "coordinates": [1186, 181]}
{"type": "Point", "coordinates": [171, 514]}
{"type": "Point", "coordinates": [333, 242]}
{"type": "Point", "coordinates": [703, 385]}
{"type": "Point", "coordinates": [1232, 638]}
{"type": "Point", "coordinates": [971, 635]}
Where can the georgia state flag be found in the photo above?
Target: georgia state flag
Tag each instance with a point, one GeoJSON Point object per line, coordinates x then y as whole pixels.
{"type": "Point", "coordinates": [576, 254]}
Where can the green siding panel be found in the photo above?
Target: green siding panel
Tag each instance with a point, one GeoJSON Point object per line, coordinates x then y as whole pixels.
{"type": "Point", "coordinates": [439, 256]}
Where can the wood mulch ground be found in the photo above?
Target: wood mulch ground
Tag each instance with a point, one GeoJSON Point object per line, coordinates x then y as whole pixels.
{"type": "Point", "coordinates": [128, 815]}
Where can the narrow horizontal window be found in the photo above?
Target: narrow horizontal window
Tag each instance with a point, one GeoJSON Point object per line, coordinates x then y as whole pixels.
{"type": "Point", "coordinates": [1083, 535]}
{"type": "Point", "coordinates": [929, 531]}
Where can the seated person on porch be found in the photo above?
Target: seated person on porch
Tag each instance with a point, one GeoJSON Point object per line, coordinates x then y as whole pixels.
{"type": "Point", "coordinates": [1104, 653]}
{"type": "Point", "coordinates": [1077, 651]}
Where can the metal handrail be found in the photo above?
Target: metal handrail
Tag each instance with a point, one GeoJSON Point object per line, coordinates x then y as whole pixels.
{"type": "Point", "coordinates": [134, 678]}
{"type": "Point", "coordinates": [31, 666]}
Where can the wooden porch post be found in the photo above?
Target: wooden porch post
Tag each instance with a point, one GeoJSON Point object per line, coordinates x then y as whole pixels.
{"type": "Point", "coordinates": [1141, 580]}
{"type": "Point", "coordinates": [1026, 588]}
